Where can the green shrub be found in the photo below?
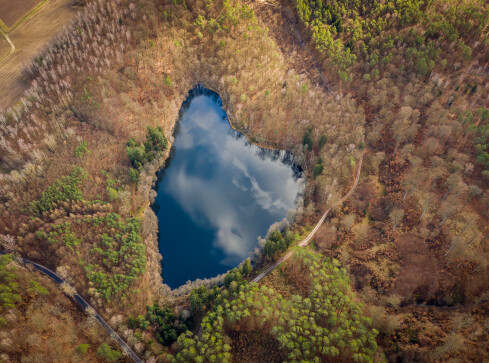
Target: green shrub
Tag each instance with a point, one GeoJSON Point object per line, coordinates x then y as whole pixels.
{"type": "Point", "coordinates": [81, 149]}
{"type": "Point", "coordinates": [246, 268]}
{"type": "Point", "coordinates": [136, 155]}
{"type": "Point", "coordinates": [156, 142]}
{"type": "Point", "coordinates": [83, 348]}
{"type": "Point", "coordinates": [307, 139]}
{"type": "Point", "coordinates": [63, 189]}
{"type": "Point", "coordinates": [112, 193]}
{"type": "Point", "coordinates": [165, 323]}
{"type": "Point", "coordinates": [318, 169]}
{"type": "Point", "coordinates": [8, 284]}
{"type": "Point", "coordinates": [108, 354]}
{"type": "Point", "coordinates": [322, 141]}
{"type": "Point", "coordinates": [233, 275]}
{"type": "Point", "coordinates": [134, 175]}
{"type": "Point", "coordinates": [202, 298]}
{"type": "Point", "coordinates": [123, 251]}
{"type": "Point", "coordinates": [167, 81]}
{"type": "Point", "coordinates": [37, 289]}
{"type": "Point", "coordinates": [277, 243]}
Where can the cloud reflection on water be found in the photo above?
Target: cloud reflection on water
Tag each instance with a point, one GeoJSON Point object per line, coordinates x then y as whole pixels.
{"type": "Point", "coordinates": [224, 183]}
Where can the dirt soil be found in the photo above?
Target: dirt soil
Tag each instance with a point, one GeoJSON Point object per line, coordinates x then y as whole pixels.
{"type": "Point", "coordinates": [28, 39]}
{"type": "Point", "coordinates": [254, 347]}
{"type": "Point", "coordinates": [4, 47]}
{"type": "Point", "coordinates": [11, 11]}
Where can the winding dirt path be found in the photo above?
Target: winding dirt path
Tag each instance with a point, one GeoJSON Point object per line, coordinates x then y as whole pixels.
{"type": "Point", "coordinates": [306, 240]}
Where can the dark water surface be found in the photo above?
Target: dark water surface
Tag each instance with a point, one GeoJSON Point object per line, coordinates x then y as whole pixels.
{"type": "Point", "coordinates": [217, 194]}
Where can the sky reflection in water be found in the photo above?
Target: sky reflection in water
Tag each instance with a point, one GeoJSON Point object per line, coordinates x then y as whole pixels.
{"type": "Point", "coordinates": [218, 194]}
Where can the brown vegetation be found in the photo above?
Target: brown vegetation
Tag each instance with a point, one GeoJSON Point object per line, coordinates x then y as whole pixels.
{"type": "Point", "coordinates": [46, 326]}
{"type": "Point", "coordinates": [413, 237]}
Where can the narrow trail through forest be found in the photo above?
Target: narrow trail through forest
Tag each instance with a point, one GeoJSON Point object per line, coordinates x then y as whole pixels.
{"type": "Point", "coordinates": [83, 304]}
{"type": "Point", "coordinates": [306, 240]}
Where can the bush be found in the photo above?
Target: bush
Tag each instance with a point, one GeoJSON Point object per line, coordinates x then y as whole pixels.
{"type": "Point", "coordinates": [112, 194]}
{"type": "Point", "coordinates": [36, 289]}
{"type": "Point", "coordinates": [156, 142]}
{"type": "Point", "coordinates": [277, 243]}
{"type": "Point", "coordinates": [307, 139]}
{"type": "Point", "coordinates": [322, 141]}
{"type": "Point", "coordinates": [318, 169]}
{"type": "Point", "coordinates": [8, 286]}
{"type": "Point", "coordinates": [136, 155]}
{"type": "Point", "coordinates": [123, 255]}
{"type": "Point", "coordinates": [108, 354]}
{"type": "Point", "coordinates": [201, 298]}
{"type": "Point", "coordinates": [167, 81]}
{"type": "Point", "coordinates": [465, 51]}
{"type": "Point", "coordinates": [83, 348]}
{"type": "Point", "coordinates": [164, 321]}
{"type": "Point", "coordinates": [233, 275]}
{"type": "Point", "coordinates": [81, 149]}
{"type": "Point", "coordinates": [246, 268]}
{"type": "Point", "coordinates": [134, 175]}
{"type": "Point", "coordinates": [63, 189]}
{"type": "Point", "coordinates": [138, 322]}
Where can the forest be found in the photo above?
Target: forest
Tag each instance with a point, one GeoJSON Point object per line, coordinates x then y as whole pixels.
{"type": "Point", "coordinates": [397, 272]}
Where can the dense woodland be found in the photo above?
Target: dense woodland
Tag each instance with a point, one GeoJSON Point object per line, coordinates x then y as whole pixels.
{"type": "Point", "coordinates": [39, 323]}
{"type": "Point", "coordinates": [399, 272]}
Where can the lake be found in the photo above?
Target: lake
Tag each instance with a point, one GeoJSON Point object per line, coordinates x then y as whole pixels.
{"type": "Point", "coordinates": [218, 193]}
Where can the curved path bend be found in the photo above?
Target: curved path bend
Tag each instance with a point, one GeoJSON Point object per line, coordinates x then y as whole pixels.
{"type": "Point", "coordinates": [83, 304]}
{"type": "Point", "coordinates": [306, 240]}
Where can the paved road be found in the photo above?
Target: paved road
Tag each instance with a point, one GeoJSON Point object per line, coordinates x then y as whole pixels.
{"type": "Point", "coordinates": [82, 302]}
{"type": "Point", "coordinates": [306, 240]}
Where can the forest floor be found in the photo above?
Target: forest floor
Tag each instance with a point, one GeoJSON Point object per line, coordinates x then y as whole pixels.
{"type": "Point", "coordinates": [29, 38]}
{"type": "Point", "coordinates": [286, 35]}
{"type": "Point", "coordinates": [48, 327]}
{"type": "Point", "coordinates": [413, 296]}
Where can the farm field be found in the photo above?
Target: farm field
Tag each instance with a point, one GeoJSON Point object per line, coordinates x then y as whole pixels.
{"type": "Point", "coordinates": [12, 11]}
{"type": "Point", "coordinates": [4, 47]}
{"type": "Point", "coordinates": [29, 38]}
